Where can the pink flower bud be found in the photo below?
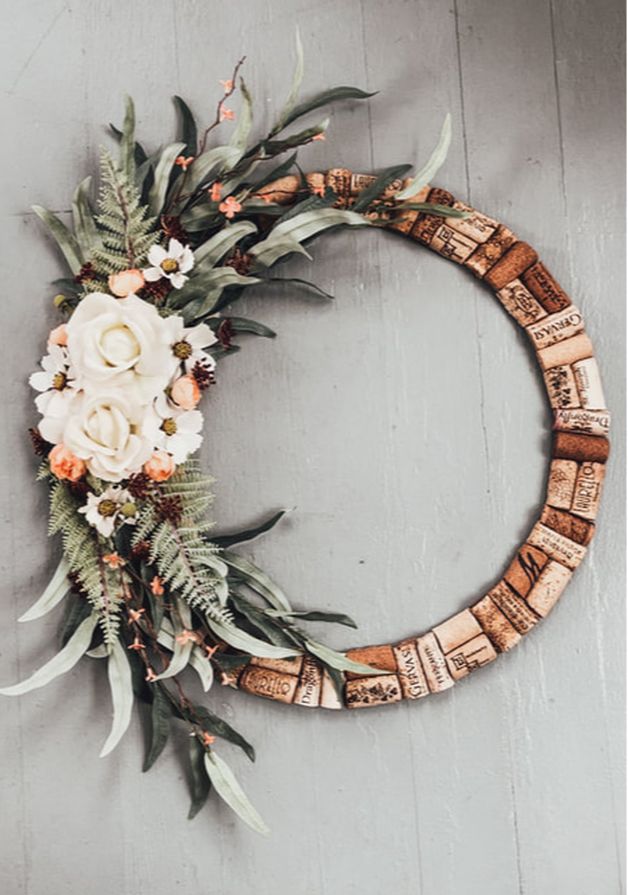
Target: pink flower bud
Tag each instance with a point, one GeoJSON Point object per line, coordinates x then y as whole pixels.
{"type": "Point", "coordinates": [59, 335]}
{"type": "Point", "coordinates": [65, 465]}
{"type": "Point", "coordinates": [127, 282]}
{"type": "Point", "coordinates": [160, 466]}
{"type": "Point", "coordinates": [185, 392]}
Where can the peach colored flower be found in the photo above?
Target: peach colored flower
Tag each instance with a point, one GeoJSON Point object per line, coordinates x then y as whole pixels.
{"type": "Point", "coordinates": [125, 283]}
{"type": "Point", "coordinates": [113, 560]}
{"type": "Point", "coordinates": [65, 465]}
{"type": "Point", "coordinates": [160, 466]}
{"type": "Point", "coordinates": [59, 335]}
{"type": "Point", "coordinates": [150, 675]}
{"type": "Point", "coordinates": [157, 587]}
{"type": "Point", "coordinates": [184, 161]}
{"type": "Point", "coordinates": [185, 392]}
{"type": "Point", "coordinates": [319, 137]}
{"type": "Point", "coordinates": [228, 85]}
{"type": "Point", "coordinates": [208, 739]}
{"type": "Point", "coordinates": [226, 114]}
{"type": "Point", "coordinates": [136, 614]}
{"type": "Point", "coordinates": [136, 645]}
{"type": "Point", "coordinates": [230, 207]}
{"type": "Point", "coordinates": [185, 636]}
{"type": "Point", "coordinates": [210, 650]}
{"type": "Point", "coordinates": [214, 192]}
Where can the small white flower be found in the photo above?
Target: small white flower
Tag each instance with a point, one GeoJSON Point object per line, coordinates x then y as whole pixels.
{"type": "Point", "coordinates": [57, 387]}
{"type": "Point", "coordinates": [114, 506]}
{"type": "Point", "coordinates": [172, 263]}
{"type": "Point", "coordinates": [174, 430]}
{"type": "Point", "coordinates": [187, 344]}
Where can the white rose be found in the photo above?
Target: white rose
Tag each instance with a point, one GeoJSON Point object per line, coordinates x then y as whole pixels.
{"type": "Point", "coordinates": [106, 432]}
{"type": "Point", "coordinates": [120, 344]}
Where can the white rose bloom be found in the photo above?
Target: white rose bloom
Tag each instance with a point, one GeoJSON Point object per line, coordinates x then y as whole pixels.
{"type": "Point", "coordinates": [105, 430]}
{"type": "Point", "coordinates": [120, 344]}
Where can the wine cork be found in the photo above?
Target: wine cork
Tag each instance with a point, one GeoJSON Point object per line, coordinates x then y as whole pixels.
{"type": "Point", "coordinates": [560, 384]}
{"type": "Point", "coordinates": [567, 352]}
{"type": "Point", "coordinates": [588, 422]}
{"type": "Point", "coordinates": [516, 610]}
{"type": "Point", "coordinates": [477, 226]}
{"type": "Point", "coordinates": [286, 666]}
{"type": "Point", "coordinates": [579, 530]}
{"type": "Point", "coordinates": [437, 196]}
{"type": "Point", "coordinates": [410, 671]}
{"type": "Point", "coordinates": [588, 489]}
{"type": "Point", "coordinates": [457, 630]}
{"type": "Point", "coordinates": [502, 634]}
{"type": "Point", "coordinates": [556, 546]}
{"type": "Point", "coordinates": [553, 581]}
{"type": "Point", "coordinates": [372, 691]}
{"type": "Point", "coordinates": [543, 286]}
{"type": "Point", "coordinates": [329, 696]}
{"type": "Point", "coordinates": [308, 689]}
{"type": "Point", "coordinates": [589, 384]}
{"type": "Point", "coordinates": [470, 656]}
{"type": "Point", "coordinates": [451, 244]}
{"type": "Point", "coordinates": [520, 303]}
{"type": "Point", "coordinates": [316, 183]}
{"type": "Point", "coordinates": [516, 260]}
{"type": "Point", "coordinates": [339, 180]}
{"type": "Point", "coordinates": [280, 192]}
{"type": "Point", "coordinates": [380, 657]}
{"type": "Point", "coordinates": [525, 569]}
{"type": "Point", "coordinates": [555, 328]}
{"type": "Point", "coordinates": [488, 253]}
{"type": "Point", "coordinates": [403, 222]}
{"type": "Point", "coordinates": [434, 663]}
{"type": "Point", "coordinates": [269, 684]}
{"type": "Point", "coordinates": [561, 483]}
{"type": "Point", "coordinates": [425, 227]}
{"type": "Point", "coordinates": [573, 446]}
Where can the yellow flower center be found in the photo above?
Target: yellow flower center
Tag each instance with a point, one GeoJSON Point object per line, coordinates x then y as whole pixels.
{"type": "Point", "coordinates": [59, 381]}
{"type": "Point", "coordinates": [182, 350]}
{"type": "Point", "coordinates": [169, 265]}
{"type": "Point", "coordinates": [107, 507]}
{"type": "Point", "coordinates": [128, 509]}
{"type": "Point", "coordinates": [169, 426]}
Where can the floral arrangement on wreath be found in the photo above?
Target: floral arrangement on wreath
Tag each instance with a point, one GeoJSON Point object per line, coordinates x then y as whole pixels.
{"type": "Point", "coordinates": [177, 237]}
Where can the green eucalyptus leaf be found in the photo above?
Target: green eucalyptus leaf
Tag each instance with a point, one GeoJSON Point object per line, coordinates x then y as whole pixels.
{"type": "Point", "coordinates": [199, 217]}
{"type": "Point", "coordinates": [374, 191]}
{"type": "Point", "coordinates": [53, 594]}
{"type": "Point", "coordinates": [262, 622]}
{"type": "Point", "coordinates": [338, 660]}
{"type": "Point", "coordinates": [324, 99]}
{"type": "Point", "coordinates": [257, 580]}
{"type": "Point", "coordinates": [300, 282]}
{"type": "Point", "coordinates": [78, 609]}
{"type": "Point", "coordinates": [244, 325]}
{"type": "Point", "coordinates": [248, 534]}
{"type": "Point", "coordinates": [217, 727]}
{"type": "Point", "coordinates": [188, 133]}
{"type": "Point", "coordinates": [276, 173]}
{"type": "Point", "coordinates": [160, 716]}
{"type": "Point", "coordinates": [244, 642]}
{"type": "Point", "coordinates": [273, 249]}
{"type": "Point", "coordinates": [199, 782]}
{"type": "Point", "coordinates": [315, 615]}
{"type": "Point", "coordinates": [139, 153]}
{"type": "Point", "coordinates": [272, 148]}
{"type": "Point", "coordinates": [66, 658]}
{"type": "Point", "coordinates": [210, 252]}
{"type": "Point", "coordinates": [231, 792]}
{"type": "Point", "coordinates": [302, 227]}
{"type": "Point", "coordinates": [427, 172]}
{"type": "Point", "coordinates": [210, 164]}
{"type": "Point", "coordinates": [64, 239]}
{"type": "Point", "coordinates": [163, 171]}
{"type": "Point", "coordinates": [127, 143]}
{"type": "Point", "coordinates": [119, 673]}
{"type": "Point", "coordinates": [295, 87]}
{"type": "Point", "coordinates": [85, 228]}
{"type": "Point", "coordinates": [245, 119]}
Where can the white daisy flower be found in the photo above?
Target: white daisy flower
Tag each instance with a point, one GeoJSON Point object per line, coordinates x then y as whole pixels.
{"type": "Point", "coordinates": [56, 384]}
{"type": "Point", "coordinates": [173, 430]}
{"type": "Point", "coordinates": [172, 263]}
{"type": "Point", "coordinates": [187, 343]}
{"type": "Point", "coordinates": [114, 506]}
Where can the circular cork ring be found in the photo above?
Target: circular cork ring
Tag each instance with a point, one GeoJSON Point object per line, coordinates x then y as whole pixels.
{"type": "Point", "coordinates": [435, 660]}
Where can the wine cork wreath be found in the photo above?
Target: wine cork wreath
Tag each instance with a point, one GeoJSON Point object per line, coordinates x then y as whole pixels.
{"type": "Point", "coordinates": [433, 661]}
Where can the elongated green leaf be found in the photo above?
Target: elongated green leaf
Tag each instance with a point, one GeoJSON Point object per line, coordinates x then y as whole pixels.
{"type": "Point", "coordinates": [209, 253]}
{"type": "Point", "coordinates": [249, 644]}
{"type": "Point", "coordinates": [315, 615]}
{"type": "Point", "coordinates": [188, 133]}
{"type": "Point", "coordinates": [59, 664]}
{"type": "Point", "coordinates": [209, 280]}
{"type": "Point", "coordinates": [257, 580]}
{"type": "Point", "coordinates": [163, 170]}
{"type": "Point", "coordinates": [244, 325]}
{"type": "Point", "coordinates": [324, 99]}
{"type": "Point", "coordinates": [436, 159]}
{"type": "Point", "coordinates": [119, 673]}
{"type": "Point", "coordinates": [268, 627]}
{"type": "Point", "coordinates": [210, 164]}
{"type": "Point", "coordinates": [64, 239]}
{"type": "Point", "coordinates": [83, 219]}
{"type": "Point", "coordinates": [160, 716]}
{"type": "Point", "coordinates": [339, 660]}
{"type": "Point", "coordinates": [53, 594]}
{"type": "Point", "coordinates": [181, 651]}
{"type": "Point", "coordinates": [248, 534]}
{"type": "Point", "coordinates": [245, 119]}
{"type": "Point", "coordinates": [295, 87]}
{"type": "Point", "coordinates": [199, 782]}
{"type": "Point", "coordinates": [276, 173]}
{"type": "Point", "coordinates": [77, 610]}
{"type": "Point", "coordinates": [272, 249]}
{"type": "Point", "coordinates": [300, 138]}
{"type": "Point", "coordinates": [378, 186]}
{"type": "Point", "coordinates": [99, 652]}
{"type": "Point", "coordinates": [300, 282]}
{"type": "Point", "coordinates": [127, 143]}
{"type": "Point", "coordinates": [231, 792]}
{"type": "Point", "coordinates": [216, 726]}
{"type": "Point", "coordinates": [139, 153]}
{"type": "Point", "coordinates": [199, 217]}
{"type": "Point", "coordinates": [303, 227]}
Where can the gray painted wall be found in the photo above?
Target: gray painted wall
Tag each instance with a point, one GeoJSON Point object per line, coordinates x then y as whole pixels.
{"type": "Point", "coordinates": [405, 422]}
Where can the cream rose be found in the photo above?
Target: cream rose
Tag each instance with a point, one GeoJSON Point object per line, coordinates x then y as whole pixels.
{"type": "Point", "coordinates": [120, 344]}
{"type": "Point", "coordinates": [105, 431]}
